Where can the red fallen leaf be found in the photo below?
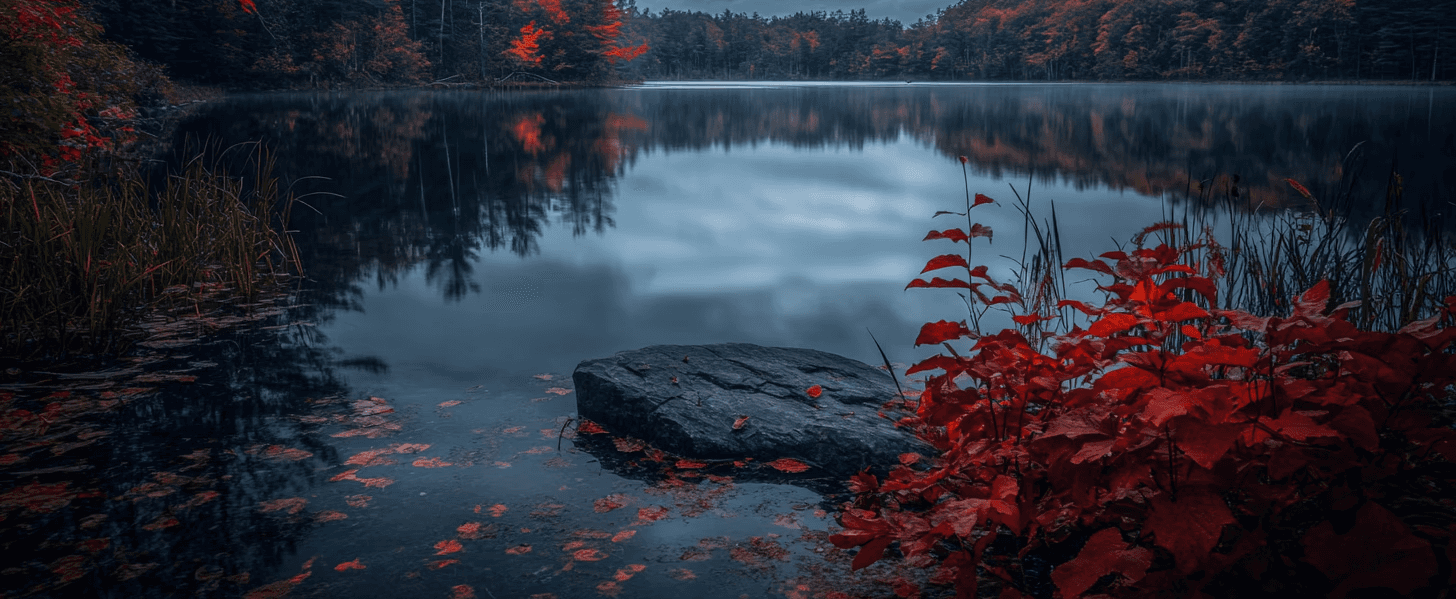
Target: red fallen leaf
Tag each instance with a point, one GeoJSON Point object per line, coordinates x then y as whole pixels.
{"type": "Point", "coordinates": [198, 499]}
{"type": "Point", "coordinates": [722, 480]}
{"type": "Point", "coordinates": [787, 465]}
{"type": "Point", "coordinates": [1104, 553]}
{"type": "Point", "coordinates": [513, 430]}
{"type": "Point", "coordinates": [498, 510]}
{"type": "Point", "coordinates": [590, 428]}
{"type": "Point", "coordinates": [127, 572]}
{"type": "Point", "coordinates": [430, 463]}
{"type": "Point", "coordinates": [38, 498]}
{"type": "Point", "coordinates": [609, 503]}
{"type": "Point", "coordinates": [282, 453]}
{"type": "Point", "coordinates": [558, 390]}
{"type": "Point", "coordinates": [686, 464]}
{"type": "Point", "coordinates": [738, 424]}
{"type": "Point", "coordinates": [358, 500]}
{"type": "Point", "coordinates": [329, 516]}
{"type": "Point", "coordinates": [161, 523]}
{"type": "Point", "coordinates": [448, 547]}
{"type": "Point", "coordinates": [787, 521]}
{"type": "Point", "coordinates": [682, 574]}
{"type": "Point", "coordinates": [651, 514]}
{"type": "Point", "coordinates": [624, 574]}
{"type": "Point", "coordinates": [448, 404]}
{"type": "Point", "coordinates": [1299, 188]}
{"type": "Point", "coordinates": [350, 565]}
{"type": "Point", "coordinates": [376, 483]}
{"type": "Point", "coordinates": [372, 457]}
{"type": "Point", "coordinates": [544, 377]}
{"type": "Point", "coordinates": [588, 555]}
{"type": "Point", "coordinates": [521, 549]}
{"type": "Point", "coordinates": [623, 535]}
{"type": "Point", "coordinates": [461, 591]}
{"type": "Point", "coordinates": [292, 504]}
{"type": "Point", "coordinates": [469, 530]}
{"type": "Point", "coordinates": [409, 447]}
{"type": "Point", "coordinates": [371, 407]}
{"type": "Point", "coordinates": [628, 444]}
{"type": "Point", "coordinates": [814, 391]}
{"type": "Point", "coordinates": [609, 588]}
{"type": "Point", "coordinates": [437, 564]}
{"type": "Point", "coordinates": [573, 546]}
{"type": "Point", "coordinates": [94, 545]}
{"type": "Point", "coordinates": [69, 568]}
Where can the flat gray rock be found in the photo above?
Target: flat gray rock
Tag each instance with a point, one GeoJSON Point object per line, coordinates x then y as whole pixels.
{"type": "Point", "coordinates": [840, 432]}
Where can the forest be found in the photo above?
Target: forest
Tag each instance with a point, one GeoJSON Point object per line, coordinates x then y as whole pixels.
{"type": "Point", "coordinates": [264, 44]}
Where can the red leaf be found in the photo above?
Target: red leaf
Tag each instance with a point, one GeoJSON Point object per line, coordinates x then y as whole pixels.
{"type": "Point", "coordinates": [939, 282]}
{"type": "Point", "coordinates": [1379, 551]}
{"type": "Point", "coordinates": [1299, 188]}
{"type": "Point", "coordinates": [1188, 528]}
{"type": "Point", "coordinates": [462, 591]}
{"type": "Point", "coordinates": [1104, 553]}
{"type": "Point", "coordinates": [350, 565]}
{"type": "Point", "coordinates": [981, 199]}
{"type": "Point", "coordinates": [934, 333]}
{"type": "Point", "coordinates": [1298, 427]}
{"type": "Point", "coordinates": [588, 555]}
{"type": "Point", "coordinates": [945, 261]}
{"type": "Point", "coordinates": [1205, 444]}
{"type": "Point", "coordinates": [870, 553]}
{"type": "Point", "coordinates": [738, 424]}
{"type": "Point", "coordinates": [651, 514]}
{"type": "Point", "coordinates": [590, 428]}
{"type": "Point", "coordinates": [1182, 312]}
{"type": "Point", "coordinates": [1112, 324]}
{"type": "Point", "coordinates": [814, 391]}
{"type": "Point", "coordinates": [248, 6]}
{"type": "Point", "coordinates": [951, 234]}
{"type": "Point", "coordinates": [787, 465]}
{"type": "Point", "coordinates": [1096, 265]}
{"type": "Point", "coordinates": [1313, 302]}
{"type": "Point", "coordinates": [447, 547]}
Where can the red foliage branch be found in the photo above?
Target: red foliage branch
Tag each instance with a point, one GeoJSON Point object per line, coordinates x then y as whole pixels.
{"type": "Point", "coordinates": [1191, 447]}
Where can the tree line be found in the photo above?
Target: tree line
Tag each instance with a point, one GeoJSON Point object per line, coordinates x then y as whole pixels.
{"type": "Point", "coordinates": [1063, 40]}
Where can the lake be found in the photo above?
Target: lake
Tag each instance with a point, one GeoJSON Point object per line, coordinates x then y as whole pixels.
{"type": "Point", "coordinates": [400, 433]}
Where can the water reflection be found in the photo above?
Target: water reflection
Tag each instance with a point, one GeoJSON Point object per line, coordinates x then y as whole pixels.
{"type": "Point", "coordinates": [437, 178]}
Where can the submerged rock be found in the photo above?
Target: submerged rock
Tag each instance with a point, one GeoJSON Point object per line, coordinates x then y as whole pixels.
{"type": "Point", "coordinates": [686, 399]}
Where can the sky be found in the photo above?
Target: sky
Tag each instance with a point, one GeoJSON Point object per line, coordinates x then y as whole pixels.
{"type": "Point", "coordinates": [905, 11]}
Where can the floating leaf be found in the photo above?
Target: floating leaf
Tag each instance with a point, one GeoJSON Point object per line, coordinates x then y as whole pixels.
{"type": "Point", "coordinates": [441, 563]}
{"type": "Point", "coordinates": [590, 428]}
{"type": "Point", "coordinates": [624, 535]}
{"type": "Point", "coordinates": [472, 531]}
{"type": "Point", "coordinates": [447, 547]}
{"type": "Point", "coordinates": [814, 391]}
{"type": "Point", "coordinates": [430, 463]}
{"type": "Point", "coordinates": [448, 404]}
{"type": "Point", "coordinates": [521, 549]}
{"type": "Point", "coordinates": [513, 430]}
{"type": "Point", "coordinates": [787, 465]}
{"type": "Point", "coordinates": [498, 510]}
{"type": "Point", "coordinates": [651, 514]}
{"type": "Point", "coordinates": [609, 503]}
{"type": "Point", "coordinates": [350, 565]}
{"type": "Point", "coordinates": [558, 390]}
{"type": "Point", "coordinates": [358, 500]}
{"type": "Point", "coordinates": [292, 505]}
{"type": "Point", "coordinates": [628, 444]}
{"type": "Point", "coordinates": [609, 588]}
{"type": "Point", "coordinates": [686, 464]}
{"type": "Point", "coordinates": [461, 591]}
{"type": "Point", "coordinates": [544, 377]}
{"type": "Point", "coordinates": [682, 574]}
{"type": "Point", "coordinates": [738, 424]}
{"type": "Point", "coordinates": [588, 555]}
{"type": "Point", "coordinates": [282, 453]}
{"type": "Point", "coordinates": [329, 516]}
{"type": "Point", "coordinates": [624, 574]}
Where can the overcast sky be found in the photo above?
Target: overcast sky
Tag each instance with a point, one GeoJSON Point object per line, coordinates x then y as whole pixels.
{"type": "Point", "coordinates": [905, 11]}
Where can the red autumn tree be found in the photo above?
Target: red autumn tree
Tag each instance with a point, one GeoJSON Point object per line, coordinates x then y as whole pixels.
{"type": "Point", "coordinates": [526, 49]}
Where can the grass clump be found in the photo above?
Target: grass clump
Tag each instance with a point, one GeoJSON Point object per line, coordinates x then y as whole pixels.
{"type": "Point", "coordinates": [86, 261]}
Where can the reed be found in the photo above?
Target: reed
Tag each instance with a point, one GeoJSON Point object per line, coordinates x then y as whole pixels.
{"type": "Point", "coordinates": [87, 260]}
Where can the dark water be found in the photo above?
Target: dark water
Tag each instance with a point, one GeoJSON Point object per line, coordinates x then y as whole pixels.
{"type": "Point", "coordinates": [467, 250]}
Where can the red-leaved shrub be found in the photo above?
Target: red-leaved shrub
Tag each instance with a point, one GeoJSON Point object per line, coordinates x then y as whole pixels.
{"type": "Point", "coordinates": [1172, 448]}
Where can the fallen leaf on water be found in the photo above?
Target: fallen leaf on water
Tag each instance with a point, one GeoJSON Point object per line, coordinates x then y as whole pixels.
{"type": "Point", "coordinates": [430, 463]}
{"type": "Point", "coordinates": [376, 483]}
{"type": "Point", "coordinates": [345, 475]}
{"type": "Point", "coordinates": [409, 447]}
{"type": "Point", "coordinates": [722, 480]}
{"type": "Point", "coordinates": [609, 588]}
{"type": "Point", "coordinates": [590, 428]}
{"type": "Point", "coordinates": [286, 453]}
{"type": "Point", "coordinates": [277, 590]}
{"type": "Point", "coordinates": [695, 555]}
{"type": "Point", "coordinates": [329, 516]}
{"type": "Point", "coordinates": [624, 535]}
{"type": "Point", "coordinates": [685, 464]}
{"type": "Point", "coordinates": [94, 545]}
{"type": "Point", "coordinates": [93, 520]}
{"type": "Point", "coordinates": [628, 444]}
{"type": "Point", "coordinates": [498, 510]}
{"type": "Point", "coordinates": [539, 450]}
{"type": "Point", "coordinates": [623, 574]}
{"type": "Point", "coordinates": [573, 546]}
{"type": "Point", "coordinates": [513, 430]}
{"type": "Point", "coordinates": [787, 465]}
{"type": "Point", "coordinates": [815, 391]}
{"type": "Point", "coordinates": [129, 571]}
{"type": "Point", "coordinates": [558, 390]}
{"type": "Point", "coordinates": [651, 514]}
{"type": "Point", "coordinates": [609, 503]}
{"type": "Point", "coordinates": [738, 424]}
{"type": "Point", "coordinates": [590, 533]}
{"type": "Point", "coordinates": [38, 498]}
{"type": "Point", "coordinates": [199, 499]}
{"type": "Point", "coordinates": [358, 500]}
{"type": "Point", "coordinates": [544, 377]}
{"type": "Point", "coordinates": [448, 547]}
{"type": "Point", "coordinates": [682, 574]}
{"type": "Point", "coordinates": [461, 591]}
{"type": "Point", "coordinates": [372, 406]}
{"type": "Point", "coordinates": [521, 549]}
{"type": "Point", "coordinates": [449, 404]}
{"type": "Point", "coordinates": [161, 523]}
{"type": "Point", "coordinates": [372, 457]}
{"type": "Point", "coordinates": [69, 568]}
{"type": "Point", "coordinates": [589, 555]}
{"type": "Point", "coordinates": [292, 504]}
{"type": "Point", "coordinates": [787, 521]}
{"type": "Point", "coordinates": [350, 565]}
{"type": "Point", "coordinates": [474, 530]}
{"type": "Point", "coordinates": [436, 565]}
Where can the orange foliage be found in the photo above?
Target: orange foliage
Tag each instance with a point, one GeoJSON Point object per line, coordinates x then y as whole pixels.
{"type": "Point", "coordinates": [553, 9]}
{"type": "Point", "coordinates": [527, 48]}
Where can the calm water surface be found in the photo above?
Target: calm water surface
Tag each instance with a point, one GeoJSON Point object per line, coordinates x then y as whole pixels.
{"type": "Point", "coordinates": [399, 436]}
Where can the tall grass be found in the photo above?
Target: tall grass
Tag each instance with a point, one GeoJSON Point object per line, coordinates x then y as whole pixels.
{"type": "Point", "coordinates": [1261, 259]}
{"type": "Point", "coordinates": [83, 262]}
